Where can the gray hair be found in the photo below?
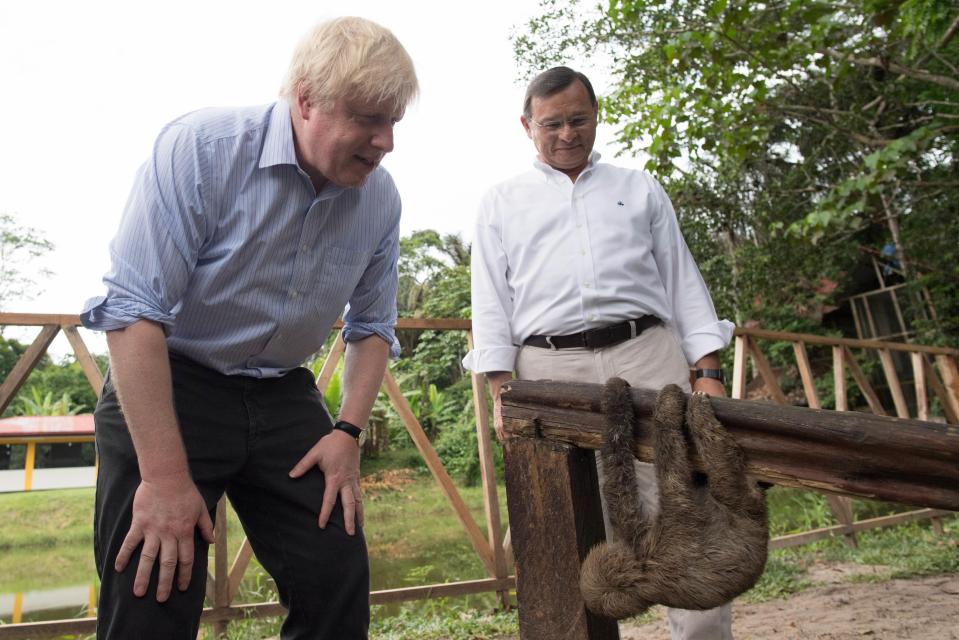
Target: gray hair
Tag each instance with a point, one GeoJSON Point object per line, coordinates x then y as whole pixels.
{"type": "Point", "coordinates": [351, 58]}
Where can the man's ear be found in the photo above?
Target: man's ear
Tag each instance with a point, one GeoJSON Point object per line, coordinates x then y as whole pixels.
{"type": "Point", "coordinates": [303, 105]}
{"type": "Point", "coordinates": [525, 122]}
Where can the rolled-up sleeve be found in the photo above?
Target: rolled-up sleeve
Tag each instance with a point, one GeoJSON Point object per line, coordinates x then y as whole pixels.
{"type": "Point", "coordinates": [492, 301]}
{"type": "Point", "coordinates": [372, 308]}
{"type": "Point", "coordinates": [694, 316]}
{"type": "Point", "coordinates": [156, 247]}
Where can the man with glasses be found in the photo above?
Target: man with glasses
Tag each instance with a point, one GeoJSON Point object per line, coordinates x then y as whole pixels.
{"type": "Point", "coordinates": [580, 273]}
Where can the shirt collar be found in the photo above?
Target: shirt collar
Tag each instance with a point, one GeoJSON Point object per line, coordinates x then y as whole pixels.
{"type": "Point", "coordinates": [278, 143]}
{"type": "Point", "coordinates": [550, 172]}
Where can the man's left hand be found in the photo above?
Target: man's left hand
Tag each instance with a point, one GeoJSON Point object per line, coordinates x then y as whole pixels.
{"type": "Point", "coordinates": [710, 386]}
{"type": "Point", "coordinates": [337, 455]}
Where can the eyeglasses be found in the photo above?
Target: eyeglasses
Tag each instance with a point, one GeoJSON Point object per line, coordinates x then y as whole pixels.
{"type": "Point", "coordinates": [554, 126]}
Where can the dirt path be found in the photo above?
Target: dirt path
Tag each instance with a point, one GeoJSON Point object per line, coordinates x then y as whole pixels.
{"type": "Point", "coordinates": [919, 609]}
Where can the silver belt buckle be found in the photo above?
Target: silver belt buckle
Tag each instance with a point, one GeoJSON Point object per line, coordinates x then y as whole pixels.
{"type": "Point", "coordinates": [549, 341]}
{"type": "Point", "coordinates": [632, 329]}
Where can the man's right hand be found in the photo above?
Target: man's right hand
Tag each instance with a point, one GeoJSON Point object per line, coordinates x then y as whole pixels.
{"type": "Point", "coordinates": [496, 380]}
{"type": "Point", "coordinates": [165, 515]}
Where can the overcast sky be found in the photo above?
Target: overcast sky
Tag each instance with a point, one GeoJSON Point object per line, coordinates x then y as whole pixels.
{"type": "Point", "coordinates": [86, 86]}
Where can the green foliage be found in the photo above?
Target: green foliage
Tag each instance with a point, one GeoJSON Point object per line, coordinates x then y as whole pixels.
{"type": "Point", "coordinates": [38, 403]}
{"type": "Point", "coordinates": [788, 134]}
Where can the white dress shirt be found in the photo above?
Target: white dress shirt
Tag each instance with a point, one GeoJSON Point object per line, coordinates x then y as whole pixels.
{"type": "Point", "coordinates": [551, 257]}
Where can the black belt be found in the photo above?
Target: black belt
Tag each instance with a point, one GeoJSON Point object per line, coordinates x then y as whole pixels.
{"type": "Point", "coordinates": [595, 338]}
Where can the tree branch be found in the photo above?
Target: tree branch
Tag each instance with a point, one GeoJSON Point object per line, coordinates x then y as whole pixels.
{"type": "Point", "coordinates": [918, 74]}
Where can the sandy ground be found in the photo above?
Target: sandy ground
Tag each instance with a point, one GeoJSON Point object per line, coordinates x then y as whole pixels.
{"type": "Point", "coordinates": [836, 609]}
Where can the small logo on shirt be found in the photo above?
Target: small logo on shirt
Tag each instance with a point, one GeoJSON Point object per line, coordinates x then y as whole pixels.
{"type": "Point", "coordinates": [620, 203]}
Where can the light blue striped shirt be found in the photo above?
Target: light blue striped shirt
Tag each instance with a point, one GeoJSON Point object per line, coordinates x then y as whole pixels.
{"type": "Point", "coordinates": [225, 242]}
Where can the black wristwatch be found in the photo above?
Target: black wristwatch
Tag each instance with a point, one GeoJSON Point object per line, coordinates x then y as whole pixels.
{"type": "Point", "coordinates": [716, 374]}
{"type": "Point", "coordinates": [347, 427]}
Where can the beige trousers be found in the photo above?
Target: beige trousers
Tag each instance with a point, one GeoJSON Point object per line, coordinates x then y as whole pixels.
{"type": "Point", "coordinates": [651, 360]}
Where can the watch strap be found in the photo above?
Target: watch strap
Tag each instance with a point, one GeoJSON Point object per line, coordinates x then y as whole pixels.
{"type": "Point", "coordinates": [349, 428]}
{"type": "Point", "coordinates": [716, 374]}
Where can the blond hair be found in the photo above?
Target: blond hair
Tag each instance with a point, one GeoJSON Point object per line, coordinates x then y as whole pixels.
{"type": "Point", "coordinates": [351, 58]}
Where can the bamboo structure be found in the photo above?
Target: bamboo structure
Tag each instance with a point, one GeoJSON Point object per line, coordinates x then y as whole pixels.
{"type": "Point", "coordinates": [935, 376]}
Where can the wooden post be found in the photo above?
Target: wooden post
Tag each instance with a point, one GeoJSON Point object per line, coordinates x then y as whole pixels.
{"type": "Point", "coordinates": [950, 379]}
{"type": "Point", "coordinates": [18, 375]}
{"type": "Point", "coordinates": [87, 363]}
{"type": "Point", "coordinates": [839, 378]}
{"type": "Point", "coordinates": [871, 398]}
{"type": "Point", "coordinates": [221, 577]}
{"type": "Point", "coordinates": [494, 527]}
{"type": "Point", "coordinates": [555, 518]}
{"type": "Point", "coordinates": [919, 380]}
{"type": "Point", "coordinates": [29, 462]}
{"type": "Point", "coordinates": [436, 467]}
{"type": "Point", "coordinates": [739, 367]}
{"type": "Point", "coordinates": [805, 372]}
{"type": "Point", "coordinates": [892, 379]}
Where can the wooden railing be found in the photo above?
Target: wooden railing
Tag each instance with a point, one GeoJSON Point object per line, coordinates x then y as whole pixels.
{"type": "Point", "coordinates": [933, 369]}
{"type": "Point", "coordinates": [224, 583]}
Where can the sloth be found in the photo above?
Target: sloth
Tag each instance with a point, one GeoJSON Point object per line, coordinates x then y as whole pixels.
{"type": "Point", "coordinates": [706, 545]}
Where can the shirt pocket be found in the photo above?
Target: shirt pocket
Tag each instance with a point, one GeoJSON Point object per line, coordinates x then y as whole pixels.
{"type": "Point", "coordinates": [341, 270]}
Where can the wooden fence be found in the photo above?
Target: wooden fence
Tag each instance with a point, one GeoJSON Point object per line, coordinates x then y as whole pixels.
{"type": "Point", "coordinates": [934, 372]}
{"type": "Point", "coordinates": [223, 584]}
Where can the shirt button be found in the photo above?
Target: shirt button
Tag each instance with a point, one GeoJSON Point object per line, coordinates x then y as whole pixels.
{"type": "Point", "coordinates": [294, 294]}
{"type": "Point", "coordinates": [586, 284]}
{"type": "Point", "coordinates": [305, 248]}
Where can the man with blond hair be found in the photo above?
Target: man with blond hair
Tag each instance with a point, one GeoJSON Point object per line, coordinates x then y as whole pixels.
{"type": "Point", "coordinates": [246, 234]}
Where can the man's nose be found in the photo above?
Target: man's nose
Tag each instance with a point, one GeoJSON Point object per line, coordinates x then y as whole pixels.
{"type": "Point", "coordinates": [383, 138]}
{"type": "Point", "coordinates": [567, 132]}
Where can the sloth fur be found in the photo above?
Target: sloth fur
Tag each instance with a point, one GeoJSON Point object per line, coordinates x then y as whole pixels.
{"type": "Point", "coordinates": [706, 545]}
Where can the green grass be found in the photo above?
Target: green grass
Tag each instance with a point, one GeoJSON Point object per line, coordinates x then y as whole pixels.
{"type": "Point", "coordinates": [415, 538]}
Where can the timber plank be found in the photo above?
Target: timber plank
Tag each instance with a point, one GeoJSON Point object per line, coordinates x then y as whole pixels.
{"type": "Point", "coordinates": [871, 398]}
{"type": "Point", "coordinates": [555, 518]}
{"type": "Point", "coordinates": [769, 377]}
{"type": "Point", "coordinates": [18, 375]}
{"type": "Point", "coordinates": [895, 387]}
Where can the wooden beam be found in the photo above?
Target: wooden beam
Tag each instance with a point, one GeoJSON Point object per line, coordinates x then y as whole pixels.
{"type": "Point", "coordinates": [937, 387]}
{"type": "Point", "coordinates": [329, 365]}
{"type": "Point", "coordinates": [555, 519]}
{"type": "Point", "coordinates": [440, 324]}
{"type": "Point", "coordinates": [494, 526]}
{"type": "Point", "coordinates": [240, 562]}
{"type": "Point", "coordinates": [807, 537]}
{"type": "Point", "coordinates": [436, 467]}
{"type": "Point", "coordinates": [839, 378]}
{"type": "Point", "coordinates": [853, 343]}
{"type": "Point", "coordinates": [769, 377]}
{"type": "Point", "coordinates": [87, 363]}
{"type": "Point", "coordinates": [18, 375]}
{"type": "Point", "coordinates": [919, 382]}
{"type": "Point", "coordinates": [867, 391]}
{"type": "Point", "coordinates": [739, 367]}
{"type": "Point", "coordinates": [846, 453]}
{"type": "Point", "coordinates": [950, 379]}
{"type": "Point", "coordinates": [892, 379]}
{"type": "Point", "coordinates": [805, 372]}
{"type": "Point", "coordinates": [39, 319]}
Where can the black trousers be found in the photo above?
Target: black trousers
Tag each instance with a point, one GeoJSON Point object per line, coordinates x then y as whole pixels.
{"type": "Point", "coordinates": [242, 436]}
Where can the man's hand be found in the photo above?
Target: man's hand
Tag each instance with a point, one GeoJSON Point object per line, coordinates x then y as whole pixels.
{"type": "Point", "coordinates": [710, 386]}
{"type": "Point", "coordinates": [337, 455]}
{"type": "Point", "coordinates": [495, 379]}
{"type": "Point", "coordinates": [165, 515]}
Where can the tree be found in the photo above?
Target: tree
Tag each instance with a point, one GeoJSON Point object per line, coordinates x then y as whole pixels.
{"type": "Point", "coordinates": [18, 246]}
{"type": "Point", "coordinates": [789, 134]}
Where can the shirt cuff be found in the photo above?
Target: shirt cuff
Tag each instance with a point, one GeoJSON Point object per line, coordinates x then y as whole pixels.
{"type": "Point", "coordinates": [491, 359]}
{"type": "Point", "coordinates": [705, 340]}
{"type": "Point", "coordinates": [104, 313]}
{"type": "Point", "coordinates": [356, 331]}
